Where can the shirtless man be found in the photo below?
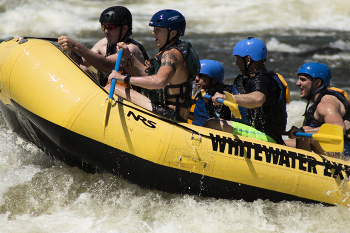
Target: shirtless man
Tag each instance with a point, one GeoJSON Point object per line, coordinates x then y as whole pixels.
{"type": "Point", "coordinates": [116, 23]}
{"type": "Point", "coordinates": [167, 84]}
{"type": "Point", "coordinates": [330, 105]}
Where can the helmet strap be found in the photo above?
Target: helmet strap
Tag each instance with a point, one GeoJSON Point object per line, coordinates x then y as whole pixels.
{"type": "Point", "coordinates": [211, 83]}
{"type": "Point", "coordinates": [246, 73]}
{"type": "Point", "coordinates": [120, 34]}
{"type": "Point", "coordinates": [168, 42]}
{"type": "Point", "coordinates": [309, 98]}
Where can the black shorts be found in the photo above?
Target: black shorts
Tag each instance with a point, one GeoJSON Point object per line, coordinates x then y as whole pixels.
{"type": "Point", "coordinates": [166, 112]}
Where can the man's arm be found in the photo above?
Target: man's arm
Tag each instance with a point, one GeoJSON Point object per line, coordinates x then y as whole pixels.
{"type": "Point", "coordinates": [330, 110]}
{"type": "Point", "coordinates": [250, 100]}
{"type": "Point", "coordinates": [169, 63]}
{"type": "Point", "coordinates": [92, 57]}
{"type": "Point", "coordinates": [133, 61]}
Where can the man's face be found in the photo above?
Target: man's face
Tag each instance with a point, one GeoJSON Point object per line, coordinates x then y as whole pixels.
{"type": "Point", "coordinates": [111, 32]}
{"type": "Point", "coordinates": [160, 35]}
{"type": "Point", "coordinates": [240, 64]}
{"type": "Point", "coordinates": [202, 81]}
{"type": "Point", "coordinates": [304, 83]}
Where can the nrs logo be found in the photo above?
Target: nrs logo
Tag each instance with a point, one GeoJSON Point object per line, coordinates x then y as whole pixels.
{"type": "Point", "coordinates": [173, 18]}
{"type": "Point", "coordinates": [146, 122]}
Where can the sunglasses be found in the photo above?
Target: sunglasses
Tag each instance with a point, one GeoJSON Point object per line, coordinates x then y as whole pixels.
{"type": "Point", "coordinates": [109, 27]}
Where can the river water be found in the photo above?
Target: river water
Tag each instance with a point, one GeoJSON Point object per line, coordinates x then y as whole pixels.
{"type": "Point", "coordinates": [39, 194]}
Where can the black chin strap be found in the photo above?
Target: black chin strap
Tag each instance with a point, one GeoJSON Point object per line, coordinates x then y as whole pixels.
{"type": "Point", "coordinates": [308, 100]}
{"type": "Point", "coordinates": [311, 95]}
{"type": "Point", "coordinates": [120, 39]}
{"type": "Point", "coordinates": [211, 83]}
{"type": "Point", "coordinates": [246, 73]}
{"type": "Point", "coordinates": [167, 42]}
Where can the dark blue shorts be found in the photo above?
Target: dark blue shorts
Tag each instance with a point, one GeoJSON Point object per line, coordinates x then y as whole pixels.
{"type": "Point", "coordinates": [346, 148]}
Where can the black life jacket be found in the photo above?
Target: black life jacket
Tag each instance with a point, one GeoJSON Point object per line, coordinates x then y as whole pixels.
{"type": "Point", "coordinates": [161, 96]}
{"type": "Point", "coordinates": [112, 49]}
{"type": "Point", "coordinates": [270, 118]}
{"type": "Point", "coordinates": [341, 95]}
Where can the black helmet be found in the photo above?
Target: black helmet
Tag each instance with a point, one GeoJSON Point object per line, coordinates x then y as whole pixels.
{"type": "Point", "coordinates": [118, 15]}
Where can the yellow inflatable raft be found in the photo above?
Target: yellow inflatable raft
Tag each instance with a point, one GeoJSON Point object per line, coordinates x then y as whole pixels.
{"type": "Point", "coordinates": [48, 100]}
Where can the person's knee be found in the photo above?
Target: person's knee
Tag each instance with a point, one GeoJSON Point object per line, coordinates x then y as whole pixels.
{"type": "Point", "coordinates": [213, 124]}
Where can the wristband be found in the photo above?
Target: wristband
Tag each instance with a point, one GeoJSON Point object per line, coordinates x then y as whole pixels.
{"type": "Point", "coordinates": [127, 79]}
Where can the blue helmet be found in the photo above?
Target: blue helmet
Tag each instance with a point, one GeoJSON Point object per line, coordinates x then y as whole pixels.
{"type": "Point", "coordinates": [317, 70]}
{"type": "Point", "coordinates": [169, 19]}
{"type": "Point", "coordinates": [252, 47]}
{"type": "Point", "coordinates": [213, 69]}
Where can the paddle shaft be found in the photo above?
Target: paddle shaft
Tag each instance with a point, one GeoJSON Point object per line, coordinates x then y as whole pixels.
{"type": "Point", "coordinates": [310, 135]}
{"type": "Point", "coordinates": [42, 38]}
{"type": "Point", "coordinates": [221, 101]}
{"type": "Point", "coordinates": [111, 90]}
{"type": "Point", "coordinates": [116, 68]}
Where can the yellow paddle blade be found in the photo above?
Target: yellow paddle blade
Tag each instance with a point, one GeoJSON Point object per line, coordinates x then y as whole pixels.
{"type": "Point", "coordinates": [205, 96]}
{"type": "Point", "coordinates": [330, 137]}
{"type": "Point", "coordinates": [231, 103]}
{"type": "Point", "coordinates": [108, 110]}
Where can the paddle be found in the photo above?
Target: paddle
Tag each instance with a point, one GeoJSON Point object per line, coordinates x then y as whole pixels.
{"type": "Point", "coordinates": [230, 102]}
{"type": "Point", "coordinates": [329, 136]}
{"type": "Point", "coordinates": [41, 38]}
{"type": "Point", "coordinates": [111, 90]}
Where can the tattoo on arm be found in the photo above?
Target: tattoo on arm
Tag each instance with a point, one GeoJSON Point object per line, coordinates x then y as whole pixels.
{"type": "Point", "coordinates": [169, 60]}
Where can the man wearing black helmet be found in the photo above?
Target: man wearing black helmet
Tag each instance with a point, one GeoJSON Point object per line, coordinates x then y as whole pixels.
{"type": "Point", "coordinates": [116, 23]}
{"type": "Point", "coordinates": [167, 84]}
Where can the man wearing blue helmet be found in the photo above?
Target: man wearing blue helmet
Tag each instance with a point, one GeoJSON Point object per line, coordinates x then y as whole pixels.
{"type": "Point", "coordinates": [264, 94]}
{"type": "Point", "coordinates": [166, 78]}
{"type": "Point", "coordinates": [330, 105]}
{"type": "Point", "coordinates": [211, 79]}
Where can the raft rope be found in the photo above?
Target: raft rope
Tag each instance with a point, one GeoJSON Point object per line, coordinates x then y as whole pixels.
{"type": "Point", "coordinates": [309, 160]}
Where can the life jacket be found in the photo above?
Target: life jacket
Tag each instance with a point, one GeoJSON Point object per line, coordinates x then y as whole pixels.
{"type": "Point", "coordinates": [284, 96]}
{"type": "Point", "coordinates": [202, 109]}
{"type": "Point", "coordinates": [161, 96]}
{"type": "Point", "coordinates": [234, 90]}
{"type": "Point", "coordinates": [112, 49]}
{"type": "Point", "coordinates": [274, 120]}
{"type": "Point", "coordinates": [341, 95]}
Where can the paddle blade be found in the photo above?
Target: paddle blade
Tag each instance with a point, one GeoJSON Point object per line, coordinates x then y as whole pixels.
{"type": "Point", "coordinates": [330, 137]}
{"type": "Point", "coordinates": [108, 110]}
{"type": "Point", "coordinates": [205, 96]}
{"type": "Point", "coordinates": [231, 103]}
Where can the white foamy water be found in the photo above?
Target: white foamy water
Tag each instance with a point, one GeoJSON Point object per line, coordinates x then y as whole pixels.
{"type": "Point", "coordinates": [48, 17]}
